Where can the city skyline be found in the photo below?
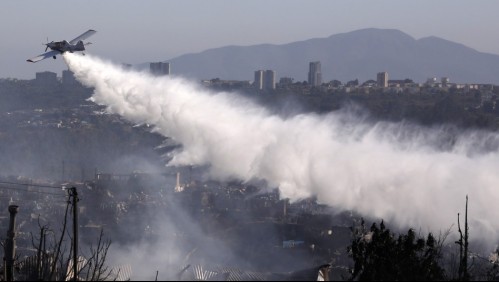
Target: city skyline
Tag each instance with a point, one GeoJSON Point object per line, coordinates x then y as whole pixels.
{"type": "Point", "coordinates": [133, 32]}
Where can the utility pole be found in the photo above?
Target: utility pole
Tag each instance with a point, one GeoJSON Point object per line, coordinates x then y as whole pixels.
{"type": "Point", "coordinates": [190, 174]}
{"type": "Point", "coordinates": [63, 176]}
{"type": "Point", "coordinates": [40, 255]}
{"type": "Point", "coordinates": [10, 245]}
{"type": "Point", "coordinates": [74, 195]}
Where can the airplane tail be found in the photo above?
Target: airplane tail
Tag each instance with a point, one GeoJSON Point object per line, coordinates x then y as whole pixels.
{"type": "Point", "coordinates": [80, 46]}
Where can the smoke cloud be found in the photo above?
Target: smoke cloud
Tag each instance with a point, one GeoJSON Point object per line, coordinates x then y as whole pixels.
{"type": "Point", "coordinates": [406, 174]}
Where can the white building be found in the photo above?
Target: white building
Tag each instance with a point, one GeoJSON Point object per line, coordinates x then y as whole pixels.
{"type": "Point", "coordinates": [258, 82]}
{"type": "Point", "coordinates": [264, 79]}
{"type": "Point", "coordinates": [269, 80]}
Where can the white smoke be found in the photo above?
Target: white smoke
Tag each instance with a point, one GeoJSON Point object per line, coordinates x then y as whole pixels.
{"type": "Point", "coordinates": [396, 171]}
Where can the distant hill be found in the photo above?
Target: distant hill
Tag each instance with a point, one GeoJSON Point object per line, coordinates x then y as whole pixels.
{"type": "Point", "coordinates": [346, 56]}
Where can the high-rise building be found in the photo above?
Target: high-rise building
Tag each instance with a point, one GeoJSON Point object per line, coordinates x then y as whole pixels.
{"type": "Point", "coordinates": [315, 74]}
{"type": "Point", "coordinates": [269, 80]}
{"type": "Point", "coordinates": [159, 68]}
{"type": "Point", "coordinates": [258, 82]}
{"type": "Point", "coordinates": [264, 79]}
{"type": "Point", "coordinates": [68, 78]}
{"type": "Point", "coordinates": [382, 79]}
{"type": "Point", "coordinates": [46, 78]}
{"type": "Point", "coordinates": [126, 66]}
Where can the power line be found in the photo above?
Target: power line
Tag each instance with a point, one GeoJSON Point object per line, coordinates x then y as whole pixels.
{"type": "Point", "coordinates": [39, 192]}
{"type": "Point", "coordinates": [34, 185]}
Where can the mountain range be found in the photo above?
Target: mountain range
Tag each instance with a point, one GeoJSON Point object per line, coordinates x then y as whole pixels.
{"type": "Point", "coordinates": [359, 54]}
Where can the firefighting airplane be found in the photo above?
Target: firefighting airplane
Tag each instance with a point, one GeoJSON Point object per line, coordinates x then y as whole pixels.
{"type": "Point", "coordinates": [60, 47]}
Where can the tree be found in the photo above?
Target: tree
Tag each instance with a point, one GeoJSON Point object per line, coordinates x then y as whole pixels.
{"type": "Point", "coordinates": [353, 83]}
{"type": "Point", "coordinates": [335, 83]}
{"type": "Point", "coordinates": [53, 260]}
{"type": "Point", "coordinates": [463, 274]}
{"type": "Point", "coordinates": [379, 255]}
{"type": "Point", "coordinates": [369, 82]}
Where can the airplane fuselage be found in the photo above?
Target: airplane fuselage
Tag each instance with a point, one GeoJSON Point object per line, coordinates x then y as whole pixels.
{"type": "Point", "coordinates": [64, 46]}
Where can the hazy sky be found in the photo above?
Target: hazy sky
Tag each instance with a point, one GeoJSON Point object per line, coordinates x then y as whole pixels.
{"type": "Point", "coordinates": [144, 31]}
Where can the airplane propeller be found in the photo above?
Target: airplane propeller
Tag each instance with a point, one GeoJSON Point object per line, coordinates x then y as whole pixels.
{"type": "Point", "coordinates": [47, 44]}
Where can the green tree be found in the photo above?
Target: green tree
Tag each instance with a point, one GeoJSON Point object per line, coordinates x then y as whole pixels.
{"type": "Point", "coordinates": [379, 255]}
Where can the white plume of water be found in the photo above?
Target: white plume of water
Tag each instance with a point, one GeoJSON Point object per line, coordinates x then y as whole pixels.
{"type": "Point", "coordinates": [396, 171]}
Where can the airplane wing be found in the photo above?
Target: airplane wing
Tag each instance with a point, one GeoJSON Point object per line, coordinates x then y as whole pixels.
{"type": "Point", "coordinates": [44, 56]}
{"type": "Point", "coordinates": [84, 36]}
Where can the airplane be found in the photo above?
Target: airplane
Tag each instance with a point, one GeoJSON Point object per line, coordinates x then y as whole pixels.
{"type": "Point", "coordinates": [60, 47]}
